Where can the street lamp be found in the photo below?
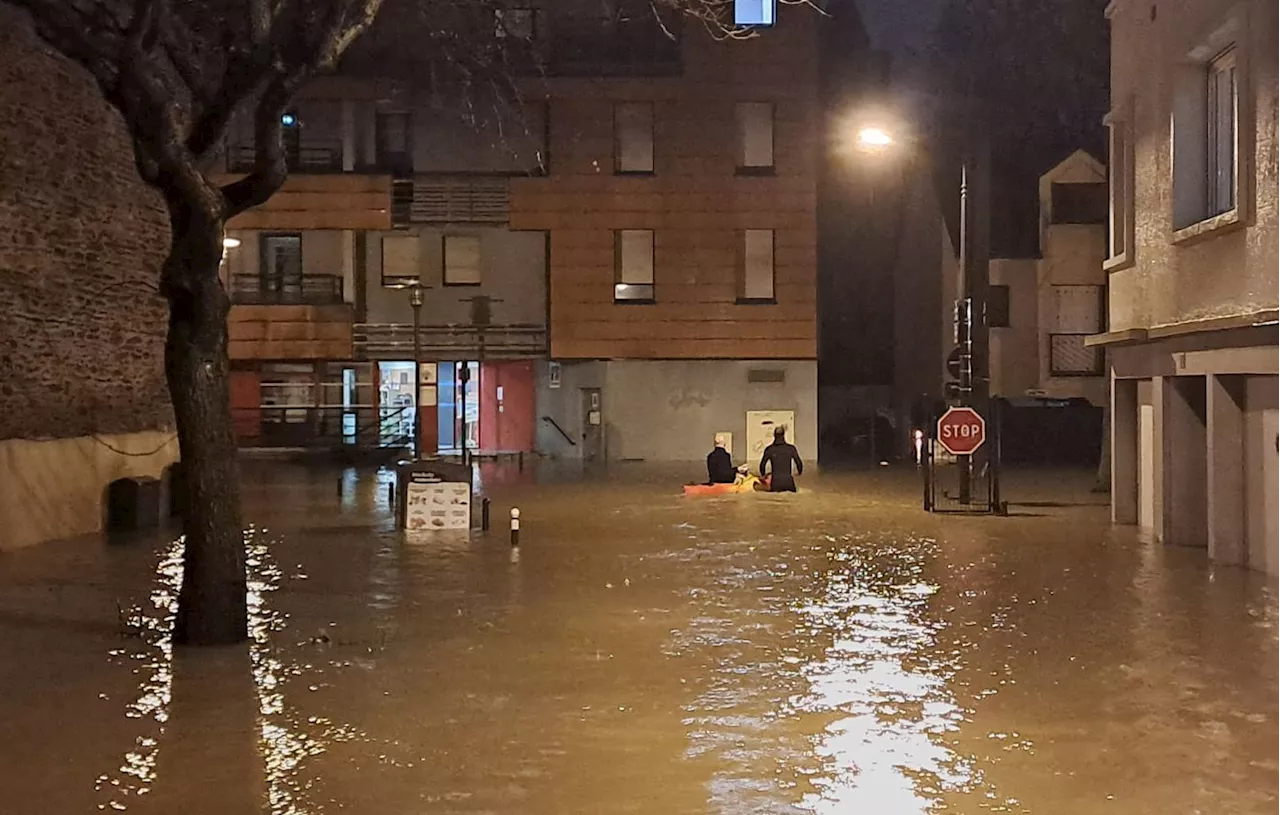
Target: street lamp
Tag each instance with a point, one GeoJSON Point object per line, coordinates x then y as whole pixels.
{"type": "Point", "coordinates": [973, 386]}
{"type": "Point", "coordinates": [415, 300]}
{"type": "Point", "coordinates": [874, 138]}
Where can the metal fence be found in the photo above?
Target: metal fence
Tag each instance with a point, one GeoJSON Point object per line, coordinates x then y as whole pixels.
{"type": "Point", "coordinates": [306, 290]}
{"type": "Point", "coordinates": [289, 426]}
{"type": "Point", "coordinates": [963, 484]}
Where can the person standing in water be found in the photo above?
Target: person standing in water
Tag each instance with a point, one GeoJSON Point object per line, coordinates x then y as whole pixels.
{"type": "Point", "coordinates": [779, 457]}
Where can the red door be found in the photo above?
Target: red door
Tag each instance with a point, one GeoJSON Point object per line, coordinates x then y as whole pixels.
{"type": "Point", "coordinates": [246, 401]}
{"type": "Point", "coordinates": [506, 407]}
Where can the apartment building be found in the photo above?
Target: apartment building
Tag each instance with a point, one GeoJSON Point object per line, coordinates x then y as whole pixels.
{"type": "Point", "coordinates": [618, 265]}
{"type": "Point", "coordinates": [388, 195]}
{"type": "Point", "coordinates": [1192, 275]}
{"type": "Point", "coordinates": [1042, 310]}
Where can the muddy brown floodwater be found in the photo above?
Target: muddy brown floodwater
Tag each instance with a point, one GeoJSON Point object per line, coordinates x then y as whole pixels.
{"type": "Point", "coordinates": [837, 651]}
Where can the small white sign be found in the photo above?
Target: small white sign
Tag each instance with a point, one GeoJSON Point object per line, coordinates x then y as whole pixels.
{"type": "Point", "coordinates": [553, 374]}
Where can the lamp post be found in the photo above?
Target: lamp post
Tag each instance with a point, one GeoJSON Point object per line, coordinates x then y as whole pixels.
{"type": "Point", "coordinates": [415, 300]}
{"type": "Point", "coordinates": [972, 335]}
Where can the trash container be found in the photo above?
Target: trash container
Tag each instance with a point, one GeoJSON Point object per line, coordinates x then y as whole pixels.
{"type": "Point", "coordinates": [133, 504]}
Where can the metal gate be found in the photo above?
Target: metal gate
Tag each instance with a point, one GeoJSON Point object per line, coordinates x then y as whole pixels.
{"type": "Point", "coordinates": [963, 484]}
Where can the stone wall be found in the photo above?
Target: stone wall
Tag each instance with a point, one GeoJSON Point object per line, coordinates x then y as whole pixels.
{"type": "Point", "coordinates": [81, 240]}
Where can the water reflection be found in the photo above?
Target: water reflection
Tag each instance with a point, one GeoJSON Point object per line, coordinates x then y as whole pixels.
{"type": "Point", "coordinates": [285, 740]}
{"type": "Point", "coordinates": [885, 685]}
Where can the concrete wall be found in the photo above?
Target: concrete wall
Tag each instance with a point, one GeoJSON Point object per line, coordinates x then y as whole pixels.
{"type": "Point", "coordinates": [513, 271]}
{"type": "Point", "coordinates": [56, 489]}
{"type": "Point", "coordinates": [1261, 455]}
{"type": "Point", "coordinates": [81, 326]}
{"type": "Point", "coordinates": [1175, 278]}
{"type": "Point", "coordinates": [671, 410]}
{"type": "Point", "coordinates": [1015, 360]}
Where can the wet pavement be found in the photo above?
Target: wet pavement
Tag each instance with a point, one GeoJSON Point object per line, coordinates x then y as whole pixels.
{"type": "Point", "coordinates": [837, 651]}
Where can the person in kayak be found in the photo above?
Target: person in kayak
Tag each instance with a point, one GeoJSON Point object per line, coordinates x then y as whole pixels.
{"type": "Point", "coordinates": [720, 469]}
{"type": "Point", "coordinates": [778, 456]}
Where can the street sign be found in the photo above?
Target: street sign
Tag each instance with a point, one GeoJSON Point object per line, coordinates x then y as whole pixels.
{"type": "Point", "coordinates": [954, 360]}
{"type": "Point", "coordinates": [961, 431]}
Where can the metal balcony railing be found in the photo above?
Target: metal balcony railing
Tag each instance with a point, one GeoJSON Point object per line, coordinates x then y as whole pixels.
{"type": "Point", "coordinates": [450, 199]}
{"type": "Point", "coordinates": [1069, 356]}
{"type": "Point", "coordinates": [307, 290]}
{"type": "Point", "coordinates": [310, 157]}
{"type": "Point", "coordinates": [395, 341]}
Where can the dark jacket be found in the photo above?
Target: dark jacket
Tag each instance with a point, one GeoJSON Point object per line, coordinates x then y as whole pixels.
{"type": "Point", "coordinates": [720, 469]}
{"type": "Point", "coordinates": [779, 457]}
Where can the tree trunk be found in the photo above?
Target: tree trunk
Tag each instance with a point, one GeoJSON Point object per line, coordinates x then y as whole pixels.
{"type": "Point", "coordinates": [212, 604]}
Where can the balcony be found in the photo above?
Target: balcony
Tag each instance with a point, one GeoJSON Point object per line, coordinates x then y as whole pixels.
{"type": "Point", "coordinates": [1069, 356]}
{"type": "Point", "coordinates": [395, 341]}
{"type": "Point", "coordinates": [308, 290]}
{"type": "Point", "coordinates": [307, 158]}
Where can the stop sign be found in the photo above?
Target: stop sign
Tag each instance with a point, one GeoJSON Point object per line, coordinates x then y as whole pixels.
{"type": "Point", "coordinates": [961, 431]}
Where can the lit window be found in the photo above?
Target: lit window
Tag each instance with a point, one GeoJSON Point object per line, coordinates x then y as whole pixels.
{"type": "Point", "coordinates": [633, 137]}
{"type": "Point", "coordinates": [754, 12]}
{"type": "Point", "coordinates": [755, 266]}
{"type": "Point", "coordinates": [461, 260]}
{"type": "Point", "coordinates": [517, 23]}
{"type": "Point", "coordinates": [755, 136]}
{"type": "Point", "coordinates": [633, 266]}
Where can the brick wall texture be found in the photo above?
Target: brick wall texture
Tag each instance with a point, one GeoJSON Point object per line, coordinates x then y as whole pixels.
{"type": "Point", "coordinates": [81, 240]}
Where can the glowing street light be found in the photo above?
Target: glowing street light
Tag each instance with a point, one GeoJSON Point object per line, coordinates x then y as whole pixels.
{"type": "Point", "coordinates": [230, 243]}
{"type": "Point", "coordinates": [874, 138]}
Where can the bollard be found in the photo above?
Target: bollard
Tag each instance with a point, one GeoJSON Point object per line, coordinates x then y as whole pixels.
{"type": "Point", "coordinates": [520, 461]}
{"type": "Point", "coordinates": [391, 495]}
{"type": "Point", "coordinates": [484, 515]}
{"type": "Point", "coordinates": [515, 526]}
{"type": "Point", "coordinates": [339, 486]}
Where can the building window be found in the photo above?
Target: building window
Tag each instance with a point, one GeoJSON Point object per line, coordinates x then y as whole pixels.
{"type": "Point", "coordinates": [997, 306]}
{"type": "Point", "coordinates": [755, 137]}
{"type": "Point", "coordinates": [461, 260]}
{"type": "Point", "coordinates": [516, 23]}
{"type": "Point", "coordinates": [1080, 203]}
{"type": "Point", "coordinates": [755, 267]}
{"type": "Point", "coordinates": [633, 137]}
{"type": "Point", "coordinates": [1206, 139]}
{"type": "Point", "coordinates": [1077, 309]}
{"type": "Point", "coordinates": [281, 262]}
{"type": "Point", "coordinates": [1119, 190]}
{"type": "Point", "coordinates": [392, 143]}
{"type": "Point", "coordinates": [633, 266]}
{"type": "Point", "coordinates": [400, 264]}
{"type": "Point", "coordinates": [754, 12]}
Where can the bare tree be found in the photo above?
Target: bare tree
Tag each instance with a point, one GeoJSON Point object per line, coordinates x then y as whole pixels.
{"type": "Point", "coordinates": [178, 72]}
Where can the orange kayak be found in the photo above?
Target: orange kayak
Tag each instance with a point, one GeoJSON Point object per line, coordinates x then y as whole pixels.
{"type": "Point", "coordinates": [749, 485]}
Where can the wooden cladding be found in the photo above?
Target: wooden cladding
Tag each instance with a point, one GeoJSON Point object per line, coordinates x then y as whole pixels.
{"type": "Point", "coordinates": [289, 332]}
{"type": "Point", "coordinates": [321, 202]}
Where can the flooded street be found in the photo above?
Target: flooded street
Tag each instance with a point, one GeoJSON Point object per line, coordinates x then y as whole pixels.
{"type": "Point", "coordinates": [837, 651]}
